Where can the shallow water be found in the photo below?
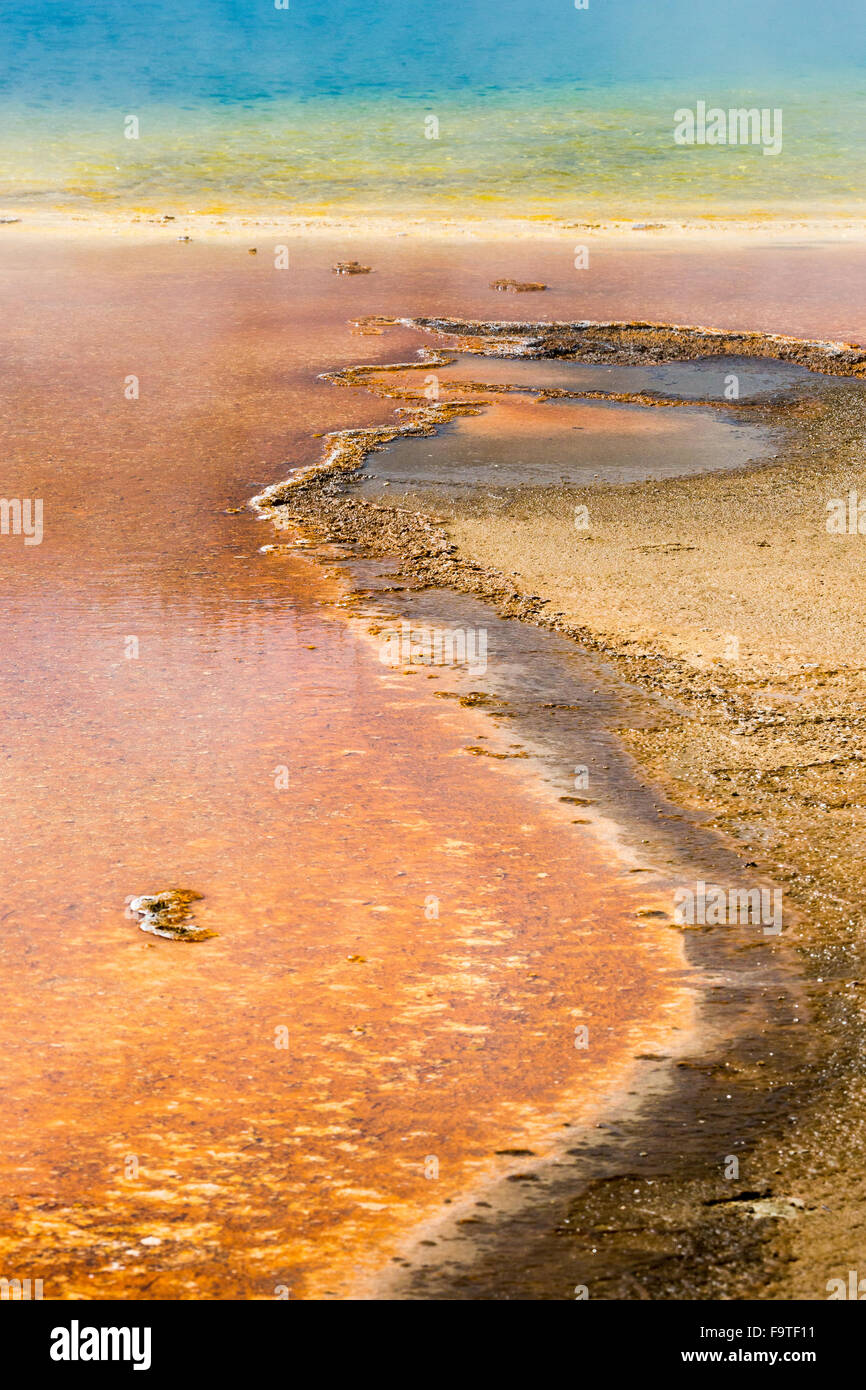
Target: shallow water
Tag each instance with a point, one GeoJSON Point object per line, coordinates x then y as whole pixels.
{"type": "Point", "coordinates": [517, 443]}
{"type": "Point", "coordinates": [182, 711]}
{"type": "Point", "coordinates": [707, 378]}
{"type": "Point", "coordinates": [249, 106]}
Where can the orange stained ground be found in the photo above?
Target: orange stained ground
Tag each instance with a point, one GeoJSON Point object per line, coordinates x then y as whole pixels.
{"type": "Point", "coordinates": [156, 1140]}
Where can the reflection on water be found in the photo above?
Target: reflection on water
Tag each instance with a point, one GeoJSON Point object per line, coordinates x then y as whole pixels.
{"type": "Point", "coordinates": [517, 442]}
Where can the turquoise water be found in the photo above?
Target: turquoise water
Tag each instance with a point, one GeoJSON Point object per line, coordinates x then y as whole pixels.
{"type": "Point", "coordinates": [541, 108]}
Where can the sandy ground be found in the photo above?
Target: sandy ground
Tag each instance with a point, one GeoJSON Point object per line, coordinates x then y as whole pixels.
{"type": "Point", "coordinates": [152, 223]}
{"type": "Point", "coordinates": [729, 594]}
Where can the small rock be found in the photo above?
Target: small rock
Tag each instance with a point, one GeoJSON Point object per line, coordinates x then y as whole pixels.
{"type": "Point", "coordinates": [168, 914]}
{"type": "Point", "coordinates": [517, 286]}
{"type": "Point", "coordinates": [351, 268]}
{"type": "Point", "coordinates": [782, 1208]}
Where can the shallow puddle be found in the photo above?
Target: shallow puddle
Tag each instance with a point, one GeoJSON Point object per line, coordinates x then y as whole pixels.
{"type": "Point", "coordinates": [502, 429]}
{"type": "Point", "coordinates": [706, 378]}
{"type": "Point", "coordinates": [516, 442]}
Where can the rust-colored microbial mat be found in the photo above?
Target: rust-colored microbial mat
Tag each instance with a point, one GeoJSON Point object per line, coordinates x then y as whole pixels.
{"type": "Point", "coordinates": [407, 936]}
